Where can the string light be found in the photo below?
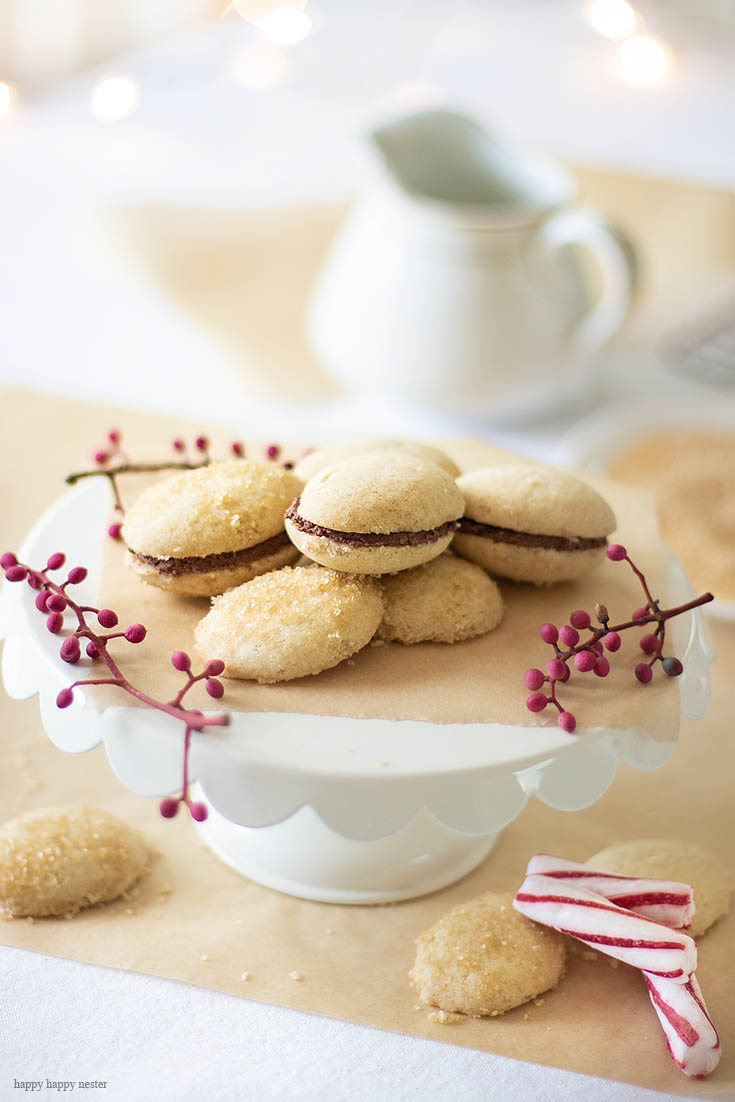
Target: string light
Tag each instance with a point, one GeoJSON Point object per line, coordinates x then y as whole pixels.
{"type": "Point", "coordinates": [613, 18]}
{"type": "Point", "coordinates": [286, 25]}
{"type": "Point", "coordinates": [261, 66]}
{"type": "Point", "coordinates": [114, 98]}
{"type": "Point", "coordinates": [6, 98]}
{"type": "Point", "coordinates": [644, 60]}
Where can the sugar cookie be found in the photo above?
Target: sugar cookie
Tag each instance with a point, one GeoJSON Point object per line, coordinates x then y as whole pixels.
{"type": "Point", "coordinates": [672, 859]}
{"type": "Point", "coordinates": [330, 454]}
{"type": "Point", "coordinates": [443, 601]}
{"type": "Point", "coordinates": [376, 514]}
{"type": "Point", "coordinates": [290, 623]}
{"type": "Point", "coordinates": [204, 531]}
{"type": "Point", "coordinates": [59, 859]}
{"type": "Point", "coordinates": [532, 524]}
{"type": "Point", "coordinates": [483, 958]}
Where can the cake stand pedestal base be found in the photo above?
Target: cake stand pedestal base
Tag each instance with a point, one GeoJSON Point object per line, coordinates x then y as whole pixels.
{"type": "Point", "coordinates": [304, 857]}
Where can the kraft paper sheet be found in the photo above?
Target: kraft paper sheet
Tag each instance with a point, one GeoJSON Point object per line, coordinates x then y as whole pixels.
{"type": "Point", "coordinates": [197, 921]}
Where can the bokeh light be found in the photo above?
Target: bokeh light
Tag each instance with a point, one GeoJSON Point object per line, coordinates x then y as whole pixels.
{"type": "Point", "coordinates": [613, 18]}
{"type": "Point", "coordinates": [644, 60]}
{"type": "Point", "coordinates": [286, 25]}
{"type": "Point", "coordinates": [114, 98]}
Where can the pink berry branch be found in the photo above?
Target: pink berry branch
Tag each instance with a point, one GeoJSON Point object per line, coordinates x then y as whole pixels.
{"type": "Point", "coordinates": [111, 462]}
{"type": "Point", "coordinates": [588, 655]}
{"type": "Point", "coordinates": [54, 600]}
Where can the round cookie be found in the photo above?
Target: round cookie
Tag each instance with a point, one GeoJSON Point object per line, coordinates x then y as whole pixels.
{"type": "Point", "coordinates": [443, 601]}
{"type": "Point", "coordinates": [532, 524]}
{"type": "Point", "coordinates": [204, 531]}
{"type": "Point", "coordinates": [290, 623]}
{"type": "Point", "coordinates": [56, 860]}
{"type": "Point", "coordinates": [483, 958]}
{"type": "Point", "coordinates": [376, 514]}
{"type": "Point", "coordinates": [330, 454]}
{"type": "Point", "coordinates": [672, 859]}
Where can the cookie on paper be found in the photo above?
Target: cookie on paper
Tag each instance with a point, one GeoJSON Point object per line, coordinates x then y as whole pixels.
{"type": "Point", "coordinates": [376, 514]}
{"type": "Point", "coordinates": [484, 958]}
{"type": "Point", "coordinates": [56, 860]}
{"type": "Point", "coordinates": [201, 532]}
{"type": "Point", "coordinates": [293, 622]}
{"type": "Point", "coordinates": [443, 601]}
{"type": "Point", "coordinates": [532, 524]}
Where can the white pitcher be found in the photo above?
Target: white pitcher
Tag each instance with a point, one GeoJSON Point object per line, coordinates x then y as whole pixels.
{"type": "Point", "coordinates": [450, 285]}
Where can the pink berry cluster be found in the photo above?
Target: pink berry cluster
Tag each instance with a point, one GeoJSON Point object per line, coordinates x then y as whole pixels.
{"type": "Point", "coordinates": [588, 655]}
{"type": "Point", "coordinates": [111, 462]}
{"type": "Point", "coordinates": [93, 628]}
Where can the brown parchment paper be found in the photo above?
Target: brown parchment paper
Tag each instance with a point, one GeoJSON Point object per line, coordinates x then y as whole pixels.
{"type": "Point", "coordinates": [480, 680]}
{"type": "Point", "coordinates": [354, 960]}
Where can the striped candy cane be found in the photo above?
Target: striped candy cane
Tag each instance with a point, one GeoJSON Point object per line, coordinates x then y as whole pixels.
{"type": "Point", "coordinates": [590, 918]}
{"type": "Point", "coordinates": [691, 1037]}
{"type": "Point", "coordinates": [664, 901]}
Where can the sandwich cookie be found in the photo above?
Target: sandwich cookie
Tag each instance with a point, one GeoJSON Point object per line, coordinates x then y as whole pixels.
{"type": "Point", "coordinates": [204, 531]}
{"type": "Point", "coordinates": [290, 623]}
{"type": "Point", "coordinates": [376, 514]}
{"type": "Point", "coordinates": [330, 454]}
{"type": "Point", "coordinates": [532, 524]}
{"type": "Point", "coordinates": [443, 601]}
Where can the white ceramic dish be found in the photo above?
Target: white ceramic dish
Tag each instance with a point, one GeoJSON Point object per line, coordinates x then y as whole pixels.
{"type": "Point", "coordinates": [592, 444]}
{"type": "Point", "coordinates": [341, 810]}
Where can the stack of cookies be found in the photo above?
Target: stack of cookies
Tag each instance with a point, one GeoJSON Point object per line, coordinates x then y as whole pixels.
{"type": "Point", "coordinates": [394, 546]}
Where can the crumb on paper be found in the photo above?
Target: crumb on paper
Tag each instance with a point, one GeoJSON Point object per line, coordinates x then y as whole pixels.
{"type": "Point", "coordinates": [417, 1006]}
{"type": "Point", "coordinates": [245, 975]}
{"type": "Point", "coordinates": [204, 956]}
{"type": "Point", "coordinates": [295, 975]}
{"type": "Point", "coordinates": [539, 1002]}
{"type": "Point", "coordinates": [528, 1016]}
{"type": "Point", "coordinates": [238, 922]}
{"type": "Point", "coordinates": [165, 889]}
{"type": "Point", "coordinates": [329, 930]}
{"type": "Point", "coordinates": [129, 911]}
{"type": "Point", "coordinates": [443, 1017]}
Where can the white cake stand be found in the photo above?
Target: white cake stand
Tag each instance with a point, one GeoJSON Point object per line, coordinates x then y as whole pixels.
{"type": "Point", "coordinates": [322, 807]}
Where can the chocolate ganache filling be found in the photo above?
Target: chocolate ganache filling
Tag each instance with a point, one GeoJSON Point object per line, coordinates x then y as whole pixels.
{"type": "Point", "coordinates": [370, 539]}
{"type": "Point", "coordinates": [469, 527]}
{"type": "Point", "coordinates": [224, 560]}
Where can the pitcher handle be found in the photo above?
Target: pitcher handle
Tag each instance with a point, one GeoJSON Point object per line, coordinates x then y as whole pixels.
{"type": "Point", "coordinates": [617, 259]}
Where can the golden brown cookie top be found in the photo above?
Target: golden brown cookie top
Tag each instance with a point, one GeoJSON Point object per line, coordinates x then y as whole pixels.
{"type": "Point", "coordinates": [535, 499]}
{"type": "Point", "coordinates": [381, 492]}
{"type": "Point", "coordinates": [214, 509]}
{"type": "Point", "coordinates": [56, 860]}
{"type": "Point", "coordinates": [290, 623]}
{"type": "Point", "coordinates": [443, 601]}
{"type": "Point", "coordinates": [480, 959]}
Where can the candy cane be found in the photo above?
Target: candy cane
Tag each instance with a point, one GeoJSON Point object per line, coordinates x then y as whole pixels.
{"type": "Point", "coordinates": [589, 917]}
{"type": "Point", "coordinates": [691, 1037]}
{"type": "Point", "coordinates": [665, 901]}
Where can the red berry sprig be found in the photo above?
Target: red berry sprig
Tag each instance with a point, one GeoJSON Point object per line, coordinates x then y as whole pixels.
{"type": "Point", "coordinates": [587, 655]}
{"type": "Point", "coordinates": [55, 602]}
{"type": "Point", "coordinates": [111, 462]}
